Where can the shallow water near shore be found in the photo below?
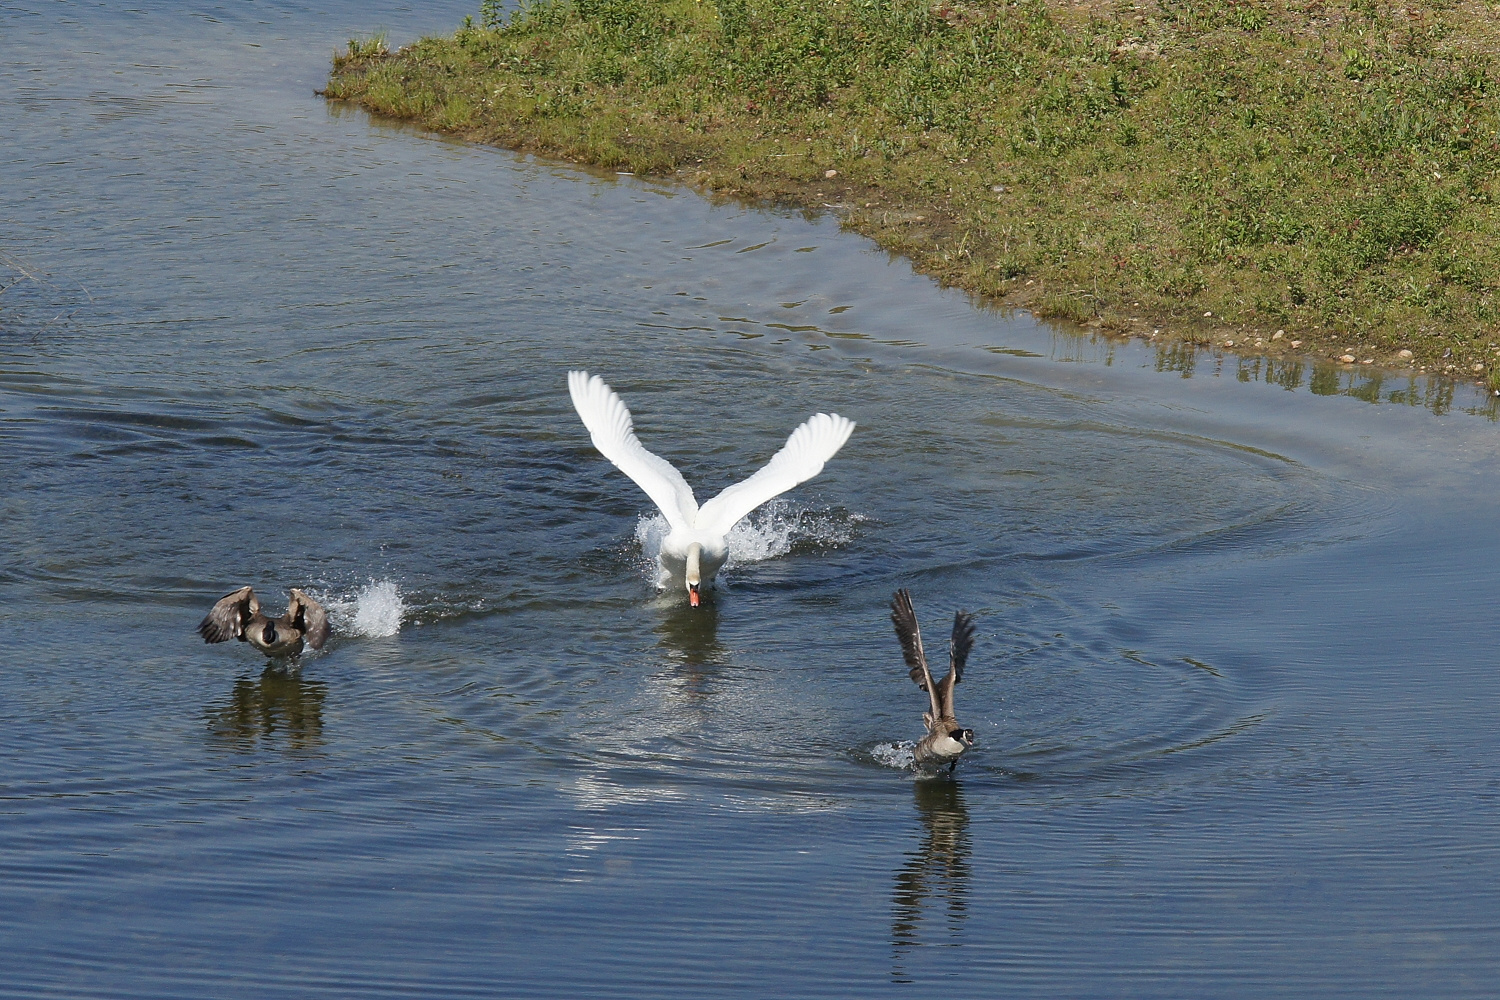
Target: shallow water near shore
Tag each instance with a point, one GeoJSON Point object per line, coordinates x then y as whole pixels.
{"type": "Point", "coordinates": [1234, 691]}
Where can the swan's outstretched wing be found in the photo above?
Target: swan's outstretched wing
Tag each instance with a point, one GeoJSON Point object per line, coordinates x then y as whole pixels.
{"type": "Point", "coordinates": [227, 619]}
{"type": "Point", "coordinates": [904, 617]}
{"type": "Point", "coordinates": [308, 616]}
{"type": "Point", "coordinates": [613, 433]}
{"type": "Point", "coordinates": [958, 655]}
{"type": "Point", "coordinates": [802, 457]}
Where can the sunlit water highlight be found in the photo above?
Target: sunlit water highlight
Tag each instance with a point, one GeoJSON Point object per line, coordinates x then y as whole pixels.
{"type": "Point", "coordinates": [1233, 692]}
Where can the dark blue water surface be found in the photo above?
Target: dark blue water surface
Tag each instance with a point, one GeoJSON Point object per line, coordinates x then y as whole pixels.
{"type": "Point", "coordinates": [1235, 687]}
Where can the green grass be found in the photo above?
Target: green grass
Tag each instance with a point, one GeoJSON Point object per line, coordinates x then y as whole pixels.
{"type": "Point", "coordinates": [1329, 171]}
{"type": "Point", "coordinates": [366, 48]}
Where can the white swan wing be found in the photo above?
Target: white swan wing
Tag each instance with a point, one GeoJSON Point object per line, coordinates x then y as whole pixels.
{"type": "Point", "coordinates": [801, 458]}
{"type": "Point", "coordinates": [613, 432]}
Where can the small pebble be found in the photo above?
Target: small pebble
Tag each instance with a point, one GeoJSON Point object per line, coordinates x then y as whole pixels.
{"type": "Point", "coordinates": [1207, 315]}
{"type": "Point", "coordinates": [1479, 368]}
{"type": "Point", "coordinates": [830, 174]}
{"type": "Point", "coordinates": [1295, 343]}
{"type": "Point", "coordinates": [1347, 359]}
{"type": "Point", "coordinates": [998, 188]}
{"type": "Point", "coordinates": [1368, 361]}
{"type": "Point", "coordinates": [1228, 343]}
{"type": "Point", "coordinates": [1403, 354]}
{"type": "Point", "coordinates": [1278, 335]}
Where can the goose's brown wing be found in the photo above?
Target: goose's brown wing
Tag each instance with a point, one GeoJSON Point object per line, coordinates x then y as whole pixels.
{"type": "Point", "coordinates": [958, 655]}
{"type": "Point", "coordinates": [904, 617]}
{"type": "Point", "coordinates": [308, 616]}
{"type": "Point", "coordinates": [227, 619]}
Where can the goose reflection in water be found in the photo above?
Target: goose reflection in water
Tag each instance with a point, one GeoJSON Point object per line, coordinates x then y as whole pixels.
{"type": "Point", "coordinates": [279, 710]}
{"type": "Point", "coordinates": [934, 877]}
{"type": "Point", "coordinates": [690, 639]}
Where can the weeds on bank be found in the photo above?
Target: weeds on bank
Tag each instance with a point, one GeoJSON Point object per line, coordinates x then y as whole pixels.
{"type": "Point", "coordinates": [1211, 166]}
{"type": "Point", "coordinates": [361, 49]}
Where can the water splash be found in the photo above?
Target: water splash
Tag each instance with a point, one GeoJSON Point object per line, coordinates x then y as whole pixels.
{"type": "Point", "coordinates": [374, 611]}
{"type": "Point", "coordinates": [898, 755]}
{"type": "Point", "coordinates": [770, 532]}
{"type": "Point", "coordinates": [778, 527]}
{"type": "Point", "coordinates": [650, 532]}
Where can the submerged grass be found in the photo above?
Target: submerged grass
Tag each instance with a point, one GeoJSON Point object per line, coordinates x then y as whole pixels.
{"type": "Point", "coordinates": [1215, 169]}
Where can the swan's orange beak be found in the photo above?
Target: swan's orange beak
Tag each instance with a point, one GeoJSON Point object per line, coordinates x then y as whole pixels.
{"type": "Point", "coordinates": [693, 597]}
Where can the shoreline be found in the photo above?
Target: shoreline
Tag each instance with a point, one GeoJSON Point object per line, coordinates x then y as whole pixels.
{"type": "Point", "coordinates": [534, 84]}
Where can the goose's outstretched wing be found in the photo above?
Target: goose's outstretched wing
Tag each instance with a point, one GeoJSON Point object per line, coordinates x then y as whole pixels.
{"type": "Point", "coordinates": [613, 432]}
{"type": "Point", "coordinates": [227, 619]}
{"type": "Point", "coordinates": [802, 457]}
{"type": "Point", "coordinates": [958, 655]}
{"type": "Point", "coordinates": [904, 617]}
{"type": "Point", "coordinates": [308, 616]}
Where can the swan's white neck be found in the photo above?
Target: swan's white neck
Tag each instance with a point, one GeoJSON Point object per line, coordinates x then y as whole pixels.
{"type": "Point", "coordinates": [693, 573]}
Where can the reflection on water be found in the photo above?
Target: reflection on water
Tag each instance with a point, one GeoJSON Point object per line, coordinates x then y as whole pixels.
{"type": "Point", "coordinates": [689, 637]}
{"type": "Point", "coordinates": [935, 876]}
{"type": "Point", "coordinates": [278, 710]}
{"type": "Point", "coordinates": [1323, 378]}
{"type": "Point", "coordinates": [1177, 357]}
{"type": "Point", "coordinates": [1432, 391]}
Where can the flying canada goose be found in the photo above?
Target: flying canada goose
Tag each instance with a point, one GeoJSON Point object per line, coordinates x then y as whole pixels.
{"type": "Point", "coordinates": [698, 543]}
{"type": "Point", "coordinates": [946, 740]}
{"type": "Point", "coordinates": [238, 616]}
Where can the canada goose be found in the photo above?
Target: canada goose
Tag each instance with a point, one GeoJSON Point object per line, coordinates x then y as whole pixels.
{"type": "Point", "coordinates": [238, 616]}
{"type": "Point", "coordinates": [698, 543]}
{"type": "Point", "coordinates": [946, 740]}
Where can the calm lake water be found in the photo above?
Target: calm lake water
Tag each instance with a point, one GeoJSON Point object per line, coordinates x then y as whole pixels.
{"type": "Point", "coordinates": [1235, 686]}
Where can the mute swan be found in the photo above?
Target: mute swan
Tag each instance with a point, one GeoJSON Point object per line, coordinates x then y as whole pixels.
{"type": "Point", "coordinates": [946, 740]}
{"type": "Point", "coordinates": [238, 616]}
{"type": "Point", "coordinates": [697, 544]}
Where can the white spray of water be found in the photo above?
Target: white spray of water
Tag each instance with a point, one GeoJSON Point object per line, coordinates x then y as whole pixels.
{"type": "Point", "coordinates": [898, 755]}
{"type": "Point", "coordinates": [752, 541]}
{"type": "Point", "coordinates": [766, 534]}
{"type": "Point", "coordinates": [650, 532]}
{"type": "Point", "coordinates": [374, 611]}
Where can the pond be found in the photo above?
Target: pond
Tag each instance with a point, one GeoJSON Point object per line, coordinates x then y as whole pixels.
{"type": "Point", "coordinates": [1233, 691]}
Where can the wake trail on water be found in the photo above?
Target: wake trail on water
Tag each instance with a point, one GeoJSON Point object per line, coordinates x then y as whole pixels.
{"type": "Point", "coordinates": [768, 533]}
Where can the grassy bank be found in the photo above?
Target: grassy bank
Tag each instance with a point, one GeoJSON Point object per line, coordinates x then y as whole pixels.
{"type": "Point", "coordinates": [1214, 170]}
